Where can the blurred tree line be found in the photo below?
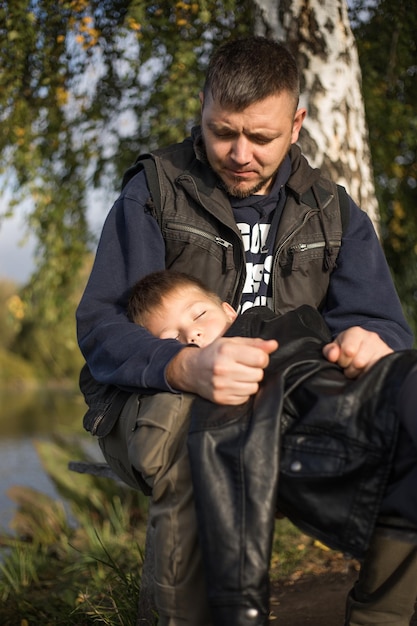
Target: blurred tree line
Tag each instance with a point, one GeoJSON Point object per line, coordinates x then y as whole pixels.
{"type": "Point", "coordinates": [85, 85]}
{"type": "Point", "coordinates": [387, 46]}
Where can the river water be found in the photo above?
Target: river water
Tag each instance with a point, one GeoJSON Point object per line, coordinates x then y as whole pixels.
{"type": "Point", "coordinates": [24, 418]}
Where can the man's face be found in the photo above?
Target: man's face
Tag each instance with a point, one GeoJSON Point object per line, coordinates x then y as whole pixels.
{"type": "Point", "coordinates": [190, 316]}
{"type": "Point", "coordinates": [245, 148]}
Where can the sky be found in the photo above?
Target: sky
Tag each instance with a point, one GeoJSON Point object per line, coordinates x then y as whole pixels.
{"type": "Point", "coordinates": [17, 247]}
{"type": "Point", "coordinates": [16, 250]}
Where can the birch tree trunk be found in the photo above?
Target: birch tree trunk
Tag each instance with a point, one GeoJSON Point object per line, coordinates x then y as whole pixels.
{"type": "Point", "coordinates": [335, 135]}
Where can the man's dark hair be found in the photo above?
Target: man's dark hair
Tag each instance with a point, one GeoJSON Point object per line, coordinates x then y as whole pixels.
{"type": "Point", "coordinates": [148, 293]}
{"type": "Point", "coordinates": [244, 71]}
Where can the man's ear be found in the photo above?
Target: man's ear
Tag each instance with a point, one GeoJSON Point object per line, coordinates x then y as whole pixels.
{"type": "Point", "coordinates": [297, 124]}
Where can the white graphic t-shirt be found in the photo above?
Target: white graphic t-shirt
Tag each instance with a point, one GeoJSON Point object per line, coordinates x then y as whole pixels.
{"type": "Point", "coordinates": [257, 218]}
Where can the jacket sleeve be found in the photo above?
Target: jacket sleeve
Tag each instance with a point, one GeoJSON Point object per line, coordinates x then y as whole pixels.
{"type": "Point", "coordinates": [361, 291]}
{"type": "Point", "coordinates": [118, 351]}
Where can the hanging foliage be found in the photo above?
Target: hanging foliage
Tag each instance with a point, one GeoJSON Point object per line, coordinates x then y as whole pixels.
{"type": "Point", "coordinates": [84, 86]}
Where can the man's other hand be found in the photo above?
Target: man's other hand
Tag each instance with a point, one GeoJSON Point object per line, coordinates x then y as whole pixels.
{"type": "Point", "coordinates": [356, 350]}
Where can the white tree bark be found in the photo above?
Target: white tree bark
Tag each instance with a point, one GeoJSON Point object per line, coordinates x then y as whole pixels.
{"type": "Point", "coordinates": [335, 136]}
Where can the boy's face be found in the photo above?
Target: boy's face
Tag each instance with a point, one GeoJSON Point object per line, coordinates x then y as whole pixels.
{"type": "Point", "coordinates": [190, 316]}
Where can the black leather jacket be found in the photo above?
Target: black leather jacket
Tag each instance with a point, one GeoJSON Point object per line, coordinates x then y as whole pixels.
{"type": "Point", "coordinates": [312, 443]}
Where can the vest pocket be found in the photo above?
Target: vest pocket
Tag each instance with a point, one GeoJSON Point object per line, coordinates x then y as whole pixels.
{"type": "Point", "coordinates": [201, 253]}
{"type": "Point", "coordinates": [301, 253]}
{"type": "Point", "coordinates": [184, 232]}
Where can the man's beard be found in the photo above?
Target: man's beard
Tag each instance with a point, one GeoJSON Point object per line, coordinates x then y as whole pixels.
{"type": "Point", "coordinates": [237, 192]}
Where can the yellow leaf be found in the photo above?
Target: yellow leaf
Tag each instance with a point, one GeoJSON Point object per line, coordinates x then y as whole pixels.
{"type": "Point", "coordinates": [61, 96]}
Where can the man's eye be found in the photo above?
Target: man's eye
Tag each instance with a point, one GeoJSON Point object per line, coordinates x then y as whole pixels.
{"type": "Point", "coordinates": [223, 134]}
{"type": "Point", "coordinates": [262, 141]}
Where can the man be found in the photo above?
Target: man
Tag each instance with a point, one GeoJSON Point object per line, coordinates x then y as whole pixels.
{"type": "Point", "coordinates": [241, 209]}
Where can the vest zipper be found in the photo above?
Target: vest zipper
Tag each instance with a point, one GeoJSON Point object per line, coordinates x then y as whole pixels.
{"type": "Point", "coordinates": [196, 231]}
{"type": "Point", "coordinates": [302, 247]}
{"type": "Point", "coordinates": [293, 233]}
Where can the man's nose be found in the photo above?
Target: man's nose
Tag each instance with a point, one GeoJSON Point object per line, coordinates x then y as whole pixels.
{"type": "Point", "coordinates": [241, 151]}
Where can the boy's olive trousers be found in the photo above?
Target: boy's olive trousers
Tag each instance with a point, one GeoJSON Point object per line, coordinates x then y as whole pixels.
{"type": "Point", "coordinates": [149, 440]}
{"type": "Point", "coordinates": [386, 590]}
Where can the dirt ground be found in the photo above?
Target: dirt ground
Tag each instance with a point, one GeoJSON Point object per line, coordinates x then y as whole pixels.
{"type": "Point", "coordinates": [316, 598]}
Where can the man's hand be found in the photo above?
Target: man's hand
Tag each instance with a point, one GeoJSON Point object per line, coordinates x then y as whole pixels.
{"type": "Point", "coordinates": [356, 350]}
{"type": "Point", "coordinates": [228, 371]}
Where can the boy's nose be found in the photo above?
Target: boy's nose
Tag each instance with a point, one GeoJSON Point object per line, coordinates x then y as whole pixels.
{"type": "Point", "coordinates": [194, 336]}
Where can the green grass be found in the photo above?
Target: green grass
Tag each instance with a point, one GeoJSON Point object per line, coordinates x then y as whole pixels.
{"type": "Point", "coordinates": [76, 567]}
